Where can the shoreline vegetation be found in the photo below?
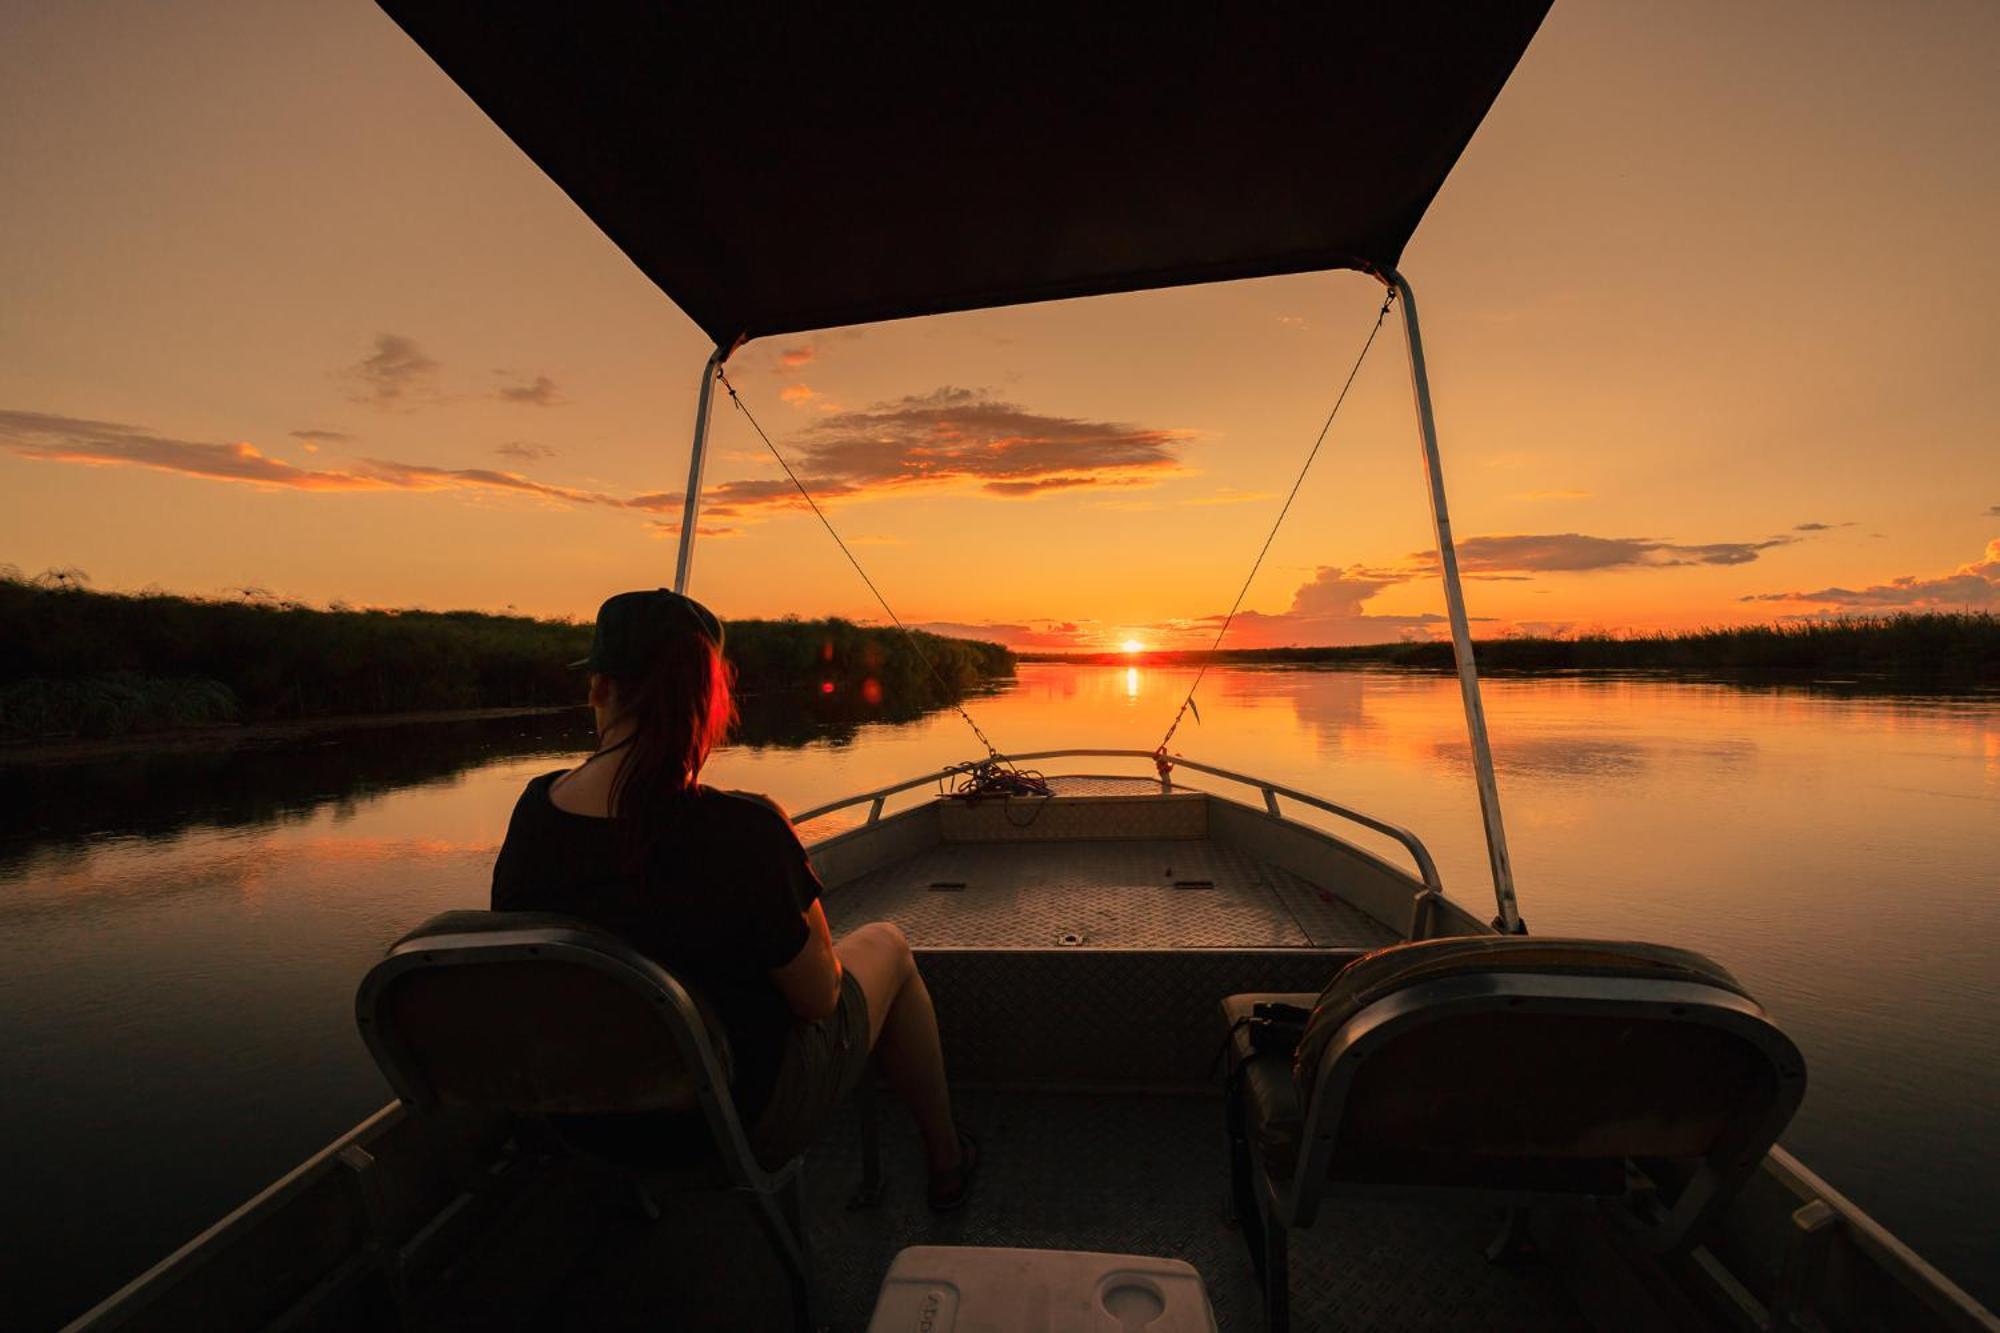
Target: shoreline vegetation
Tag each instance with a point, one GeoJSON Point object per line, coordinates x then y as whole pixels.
{"type": "Point", "coordinates": [77, 664]}
{"type": "Point", "coordinates": [1928, 650]}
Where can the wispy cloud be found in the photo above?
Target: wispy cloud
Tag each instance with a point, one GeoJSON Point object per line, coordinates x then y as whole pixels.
{"type": "Point", "coordinates": [63, 439]}
{"type": "Point", "coordinates": [1974, 584]}
{"type": "Point", "coordinates": [791, 358]}
{"type": "Point", "coordinates": [1329, 608]}
{"type": "Point", "coordinates": [1576, 552]}
{"type": "Point", "coordinates": [1821, 527]}
{"type": "Point", "coordinates": [419, 477]}
{"type": "Point", "coordinates": [526, 452]}
{"type": "Point", "coordinates": [397, 375]}
{"type": "Point", "coordinates": [321, 436]}
{"type": "Point", "coordinates": [1993, 511]}
{"type": "Point", "coordinates": [541, 391]}
{"type": "Point", "coordinates": [1038, 635]}
{"type": "Point", "coordinates": [1333, 606]}
{"type": "Point", "coordinates": [797, 394]}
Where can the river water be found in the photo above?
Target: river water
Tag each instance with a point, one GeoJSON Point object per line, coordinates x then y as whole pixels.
{"type": "Point", "coordinates": [180, 934]}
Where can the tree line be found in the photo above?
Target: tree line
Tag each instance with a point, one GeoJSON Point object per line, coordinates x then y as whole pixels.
{"type": "Point", "coordinates": [1942, 648]}
{"type": "Point", "coordinates": [75, 661]}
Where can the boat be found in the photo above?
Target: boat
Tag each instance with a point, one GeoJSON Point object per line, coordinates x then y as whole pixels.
{"type": "Point", "coordinates": [1237, 1056]}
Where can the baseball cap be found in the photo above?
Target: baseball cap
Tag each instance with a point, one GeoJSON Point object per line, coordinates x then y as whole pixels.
{"type": "Point", "coordinates": [632, 625]}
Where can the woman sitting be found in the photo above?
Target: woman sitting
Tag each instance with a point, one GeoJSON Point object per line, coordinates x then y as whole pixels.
{"type": "Point", "coordinates": [716, 887]}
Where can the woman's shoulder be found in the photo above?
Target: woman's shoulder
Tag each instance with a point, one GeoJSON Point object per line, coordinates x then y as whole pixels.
{"type": "Point", "coordinates": [744, 809]}
{"type": "Point", "coordinates": [535, 795]}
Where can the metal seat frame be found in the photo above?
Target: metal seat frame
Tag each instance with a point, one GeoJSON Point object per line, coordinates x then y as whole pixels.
{"type": "Point", "coordinates": [1268, 1206]}
{"type": "Point", "coordinates": [774, 1194]}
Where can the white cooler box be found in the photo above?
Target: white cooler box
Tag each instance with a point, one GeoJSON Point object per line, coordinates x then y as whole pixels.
{"type": "Point", "coordinates": [960, 1289]}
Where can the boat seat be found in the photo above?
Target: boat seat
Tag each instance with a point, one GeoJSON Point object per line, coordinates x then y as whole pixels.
{"type": "Point", "coordinates": [551, 1019]}
{"type": "Point", "coordinates": [1512, 1067]}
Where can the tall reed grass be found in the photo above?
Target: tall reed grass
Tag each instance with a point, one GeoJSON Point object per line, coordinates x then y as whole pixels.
{"type": "Point", "coordinates": [74, 661]}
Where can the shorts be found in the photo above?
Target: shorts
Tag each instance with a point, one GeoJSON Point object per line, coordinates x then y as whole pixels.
{"type": "Point", "coordinates": [822, 1062]}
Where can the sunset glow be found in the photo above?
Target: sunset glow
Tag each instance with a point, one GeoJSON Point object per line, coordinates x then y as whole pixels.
{"type": "Point", "coordinates": [492, 410]}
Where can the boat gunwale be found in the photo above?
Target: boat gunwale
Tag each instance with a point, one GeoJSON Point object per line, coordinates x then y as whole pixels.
{"type": "Point", "coordinates": [1427, 871]}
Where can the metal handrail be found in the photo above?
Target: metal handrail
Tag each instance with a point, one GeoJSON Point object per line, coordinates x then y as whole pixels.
{"type": "Point", "coordinates": [1411, 843]}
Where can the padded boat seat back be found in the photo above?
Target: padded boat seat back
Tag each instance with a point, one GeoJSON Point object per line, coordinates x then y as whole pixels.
{"type": "Point", "coordinates": [533, 1013]}
{"type": "Point", "coordinates": [1539, 1064]}
{"type": "Point", "coordinates": [1385, 971]}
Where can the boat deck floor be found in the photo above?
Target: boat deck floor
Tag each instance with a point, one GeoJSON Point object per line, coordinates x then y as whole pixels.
{"type": "Point", "coordinates": [1125, 1174]}
{"type": "Point", "coordinates": [1139, 893]}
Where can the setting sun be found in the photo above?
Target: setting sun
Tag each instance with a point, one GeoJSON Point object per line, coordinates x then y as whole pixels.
{"type": "Point", "coordinates": [1132, 646]}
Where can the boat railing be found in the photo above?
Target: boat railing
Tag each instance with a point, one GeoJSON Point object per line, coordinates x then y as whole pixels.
{"type": "Point", "coordinates": [1426, 867]}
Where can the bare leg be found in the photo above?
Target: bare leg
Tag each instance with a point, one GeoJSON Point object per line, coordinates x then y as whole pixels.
{"type": "Point", "coordinates": [902, 1028]}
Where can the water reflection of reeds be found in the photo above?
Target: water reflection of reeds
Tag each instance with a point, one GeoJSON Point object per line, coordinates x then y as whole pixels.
{"type": "Point", "coordinates": [159, 792]}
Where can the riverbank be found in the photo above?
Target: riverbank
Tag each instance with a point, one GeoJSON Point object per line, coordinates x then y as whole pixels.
{"type": "Point", "coordinates": [231, 735]}
{"type": "Point", "coordinates": [1931, 651]}
{"type": "Point", "coordinates": [80, 665]}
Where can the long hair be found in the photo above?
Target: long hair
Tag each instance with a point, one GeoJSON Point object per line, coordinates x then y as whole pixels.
{"type": "Point", "coordinates": [680, 708]}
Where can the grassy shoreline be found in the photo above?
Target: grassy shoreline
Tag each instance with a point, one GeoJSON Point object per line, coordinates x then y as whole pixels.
{"type": "Point", "coordinates": [79, 663]}
{"type": "Point", "coordinates": [1929, 648]}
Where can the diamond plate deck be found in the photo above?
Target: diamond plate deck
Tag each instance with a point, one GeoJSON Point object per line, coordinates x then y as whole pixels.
{"type": "Point", "coordinates": [1109, 894]}
{"type": "Point", "coordinates": [1094, 1017]}
{"type": "Point", "coordinates": [1121, 1174]}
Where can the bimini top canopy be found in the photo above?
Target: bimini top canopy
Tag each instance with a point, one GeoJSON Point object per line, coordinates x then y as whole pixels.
{"type": "Point", "coordinates": [777, 168]}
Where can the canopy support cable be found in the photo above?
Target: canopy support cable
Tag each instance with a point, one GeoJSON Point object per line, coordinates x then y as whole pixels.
{"type": "Point", "coordinates": [1160, 755]}
{"type": "Point", "coordinates": [993, 757]}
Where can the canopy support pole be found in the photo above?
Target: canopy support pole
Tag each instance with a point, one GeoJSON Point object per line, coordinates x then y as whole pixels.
{"type": "Point", "coordinates": [1509, 920]}
{"type": "Point", "coordinates": [698, 455]}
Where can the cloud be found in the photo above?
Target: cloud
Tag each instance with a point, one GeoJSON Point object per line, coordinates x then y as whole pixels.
{"type": "Point", "coordinates": [1993, 511]}
{"type": "Point", "coordinates": [965, 435]}
{"type": "Point", "coordinates": [396, 375]}
{"type": "Point", "coordinates": [796, 393]}
{"type": "Point", "coordinates": [1975, 584]}
{"type": "Point", "coordinates": [1575, 552]}
{"type": "Point", "coordinates": [321, 436]}
{"type": "Point", "coordinates": [418, 477]}
{"type": "Point", "coordinates": [525, 451]}
{"type": "Point", "coordinates": [62, 439]}
{"type": "Point", "coordinates": [1040, 635]}
{"type": "Point", "coordinates": [793, 357]}
{"type": "Point", "coordinates": [671, 527]}
{"type": "Point", "coordinates": [541, 391]}
{"type": "Point", "coordinates": [1820, 527]}
{"type": "Point", "coordinates": [950, 438]}
{"type": "Point", "coordinates": [1550, 495]}
{"type": "Point", "coordinates": [1329, 608]}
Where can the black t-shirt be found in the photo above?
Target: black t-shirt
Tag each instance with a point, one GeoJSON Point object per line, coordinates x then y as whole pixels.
{"type": "Point", "coordinates": [721, 903]}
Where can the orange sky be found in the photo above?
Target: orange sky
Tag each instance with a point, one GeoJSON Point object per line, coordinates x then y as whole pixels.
{"type": "Point", "coordinates": [1710, 304]}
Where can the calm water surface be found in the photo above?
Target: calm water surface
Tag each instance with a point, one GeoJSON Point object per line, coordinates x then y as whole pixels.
{"type": "Point", "coordinates": [180, 936]}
